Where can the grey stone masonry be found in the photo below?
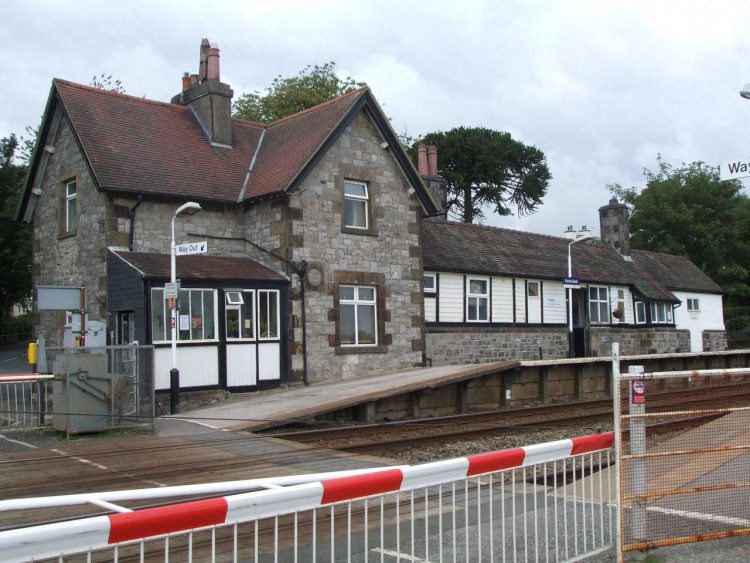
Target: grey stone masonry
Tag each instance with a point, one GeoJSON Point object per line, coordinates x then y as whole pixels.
{"type": "Point", "coordinates": [651, 340]}
{"type": "Point", "coordinates": [480, 345]}
{"type": "Point", "coordinates": [308, 225]}
{"type": "Point", "coordinates": [715, 340]}
{"type": "Point", "coordinates": [77, 257]}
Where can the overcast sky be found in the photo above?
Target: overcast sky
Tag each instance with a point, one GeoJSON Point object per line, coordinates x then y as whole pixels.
{"type": "Point", "coordinates": [601, 87]}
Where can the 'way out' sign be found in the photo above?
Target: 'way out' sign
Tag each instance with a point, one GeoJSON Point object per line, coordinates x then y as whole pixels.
{"type": "Point", "coordinates": [734, 170]}
{"type": "Point", "coordinates": [191, 248]}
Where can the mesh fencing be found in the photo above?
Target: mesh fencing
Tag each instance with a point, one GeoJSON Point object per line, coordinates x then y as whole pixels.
{"type": "Point", "coordinates": [683, 457]}
{"type": "Point", "coordinates": [99, 389]}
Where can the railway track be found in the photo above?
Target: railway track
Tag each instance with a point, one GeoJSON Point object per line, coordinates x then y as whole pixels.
{"type": "Point", "coordinates": [390, 435]}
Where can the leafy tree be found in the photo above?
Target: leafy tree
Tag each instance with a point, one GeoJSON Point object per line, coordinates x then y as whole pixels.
{"type": "Point", "coordinates": [691, 212]}
{"type": "Point", "coordinates": [486, 167]}
{"type": "Point", "coordinates": [105, 82]}
{"type": "Point", "coordinates": [15, 239]}
{"type": "Point", "coordinates": [313, 85]}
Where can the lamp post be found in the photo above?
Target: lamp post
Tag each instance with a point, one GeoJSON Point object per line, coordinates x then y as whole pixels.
{"type": "Point", "coordinates": [189, 208]}
{"type": "Point", "coordinates": [571, 346]}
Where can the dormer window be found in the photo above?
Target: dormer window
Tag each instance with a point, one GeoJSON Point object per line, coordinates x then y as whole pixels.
{"type": "Point", "coordinates": [356, 203]}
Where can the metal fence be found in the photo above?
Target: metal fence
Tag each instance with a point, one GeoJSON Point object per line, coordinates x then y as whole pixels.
{"type": "Point", "coordinates": [25, 400]}
{"type": "Point", "coordinates": [683, 474]}
{"type": "Point", "coordinates": [102, 388]}
{"type": "Point", "coordinates": [543, 502]}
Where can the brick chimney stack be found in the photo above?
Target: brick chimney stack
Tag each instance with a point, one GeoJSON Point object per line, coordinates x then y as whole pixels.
{"type": "Point", "coordinates": [427, 166]}
{"type": "Point", "coordinates": [614, 226]}
{"type": "Point", "coordinates": [208, 97]}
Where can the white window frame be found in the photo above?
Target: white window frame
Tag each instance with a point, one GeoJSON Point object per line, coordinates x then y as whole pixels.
{"type": "Point", "coordinates": [432, 277]}
{"type": "Point", "coordinates": [234, 301]}
{"type": "Point", "coordinates": [640, 312]}
{"type": "Point", "coordinates": [358, 302]}
{"type": "Point", "coordinates": [599, 305]}
{"type": "Point", "coordinates": [661, 313]}
{"type": "Point", "coordinates": [71, 200]}
{"type": "Point", "coordinates": [157, 300]}
{"type": "Point", "coordinates": [620, 300]}
{"type": "Point", "coordinates": [693, 305]}
{"type": "Point", "coordinates": [478, 297]}
{"type": "Point", "coordinates": [357, 198]}
{"type": "Point", "coordinates": [277, 328]}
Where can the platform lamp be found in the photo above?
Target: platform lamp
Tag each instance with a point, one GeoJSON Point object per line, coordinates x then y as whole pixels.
{"type": "Point", "coordinates": [571, 345]}
{"type": "Point", "coordinates": [189, 208]}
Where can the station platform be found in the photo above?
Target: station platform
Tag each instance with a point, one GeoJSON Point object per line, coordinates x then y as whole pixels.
{"type": "Point", "coordinates": [265, 409]}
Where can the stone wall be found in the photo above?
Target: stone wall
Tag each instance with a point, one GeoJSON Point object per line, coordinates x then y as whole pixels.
{"type": "Point", "coordinates": [77, 258]}
{"type": "Point", "coordinates": [715, 340]}
{"type": "Point", "coordinates": [307, 225]}
{"type": "Point", "coordinates": [456, 346]}
{"type": "Point", "coordinates": [651, 340]}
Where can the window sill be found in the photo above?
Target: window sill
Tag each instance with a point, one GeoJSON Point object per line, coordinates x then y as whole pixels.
{"type": "Point", "coordinates": [345, 350]}
{"type": "Point", "coordinates": [67, 234]}
{"type": "Point", "coordinates": [354, 231]}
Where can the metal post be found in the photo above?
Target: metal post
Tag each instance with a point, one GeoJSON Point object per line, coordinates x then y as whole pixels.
{"type": "Point", "coordinates": [174, 391]}
{"type": "Point", "coordinates": [637, 407]}
{"type": "Point", "coordinates": [618, 447]}
{"type": "Point", "coordinates": [174, 373]}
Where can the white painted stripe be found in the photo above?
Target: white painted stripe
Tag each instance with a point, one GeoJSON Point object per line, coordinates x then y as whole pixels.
{"type": "Point", "coordinates": [51, 540]}
{"type": "Point", "coordinates": [729, 520]}
{"type": "Point", "coordinates": [549, 451]}
{"type": "Point", "coordinates": [435, 473]}
{"type": "Point", "coordinates": [19, 442]}
{"type": "Point", "coordinates": [400, 556]}
{"type": "Point", "coordinates": [262, 504]}
{"type": "Point", "coordinates": [81, 459]}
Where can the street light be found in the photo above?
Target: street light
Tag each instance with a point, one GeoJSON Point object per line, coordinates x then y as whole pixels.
{"type": "Point", "coordinates": [189, 208]}
{"type": "Point", "coordinates": [571, 346]}
{"type": "Point", "coordinates": [745, 92]}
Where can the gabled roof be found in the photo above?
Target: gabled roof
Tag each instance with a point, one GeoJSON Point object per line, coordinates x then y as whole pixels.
{"type": "Point", "coordinates": [478, 249]}
{"type": "Point", "coordinates": [134, 145]}
{"type": "Point", "coordinates": [204, 267]}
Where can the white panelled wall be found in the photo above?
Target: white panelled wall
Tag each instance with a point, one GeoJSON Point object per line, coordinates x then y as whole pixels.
{"type": "Point", "coordinates": [706, 316]}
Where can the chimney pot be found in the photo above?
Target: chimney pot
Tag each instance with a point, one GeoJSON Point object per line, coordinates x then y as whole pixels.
{"type": "Point", "coordinates": [432, 163]}
{"type": "Point", "coordinates": [212, 64]}
{"type": "Point", "coordinates": [193, 80]}
{"type": "Point", "coordinates": [186, 81]}
{"type": "Point", "coordinates": [422, 160]}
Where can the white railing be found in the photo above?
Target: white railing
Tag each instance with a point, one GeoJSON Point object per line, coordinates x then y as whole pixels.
{"type": "Point", "coordinates": [545, 502]}
{"type": "Point", "coordinates": [25, 400]}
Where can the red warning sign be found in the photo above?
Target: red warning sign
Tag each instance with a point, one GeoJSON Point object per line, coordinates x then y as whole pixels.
{"type": "Point", "coordinates": [637, 392]}
{"type": "Point", "coordinates": [170, 302]}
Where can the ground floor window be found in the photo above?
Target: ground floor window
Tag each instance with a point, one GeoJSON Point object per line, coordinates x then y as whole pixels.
{"type": "Point", "coordinates": [268, 313]}
{"type": "Point", "coordinates": [358, 310]}
{"type": "Point", "coordinates": [197, 315]}
{"type": "Point", "coordinates": [240, 314]}
{"type": "Point", "coordinates": [640, 312]}
{"type": "Point", "coordinates": [477, 300]}
{"type": "Point", "coordinates": [598, 305]}
{"type": "Point", "coordinates": [661, 313]}
{"type": "Point", "coordinates": [125, 328]}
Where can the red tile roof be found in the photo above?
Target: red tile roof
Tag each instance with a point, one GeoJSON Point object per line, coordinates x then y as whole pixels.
{"type": "Point", "coordinates": [199, 267]}
{"type": "Point", "coordinates": [143, 146]}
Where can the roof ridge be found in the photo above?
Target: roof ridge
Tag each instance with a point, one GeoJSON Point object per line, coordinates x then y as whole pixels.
{"type": "Point", "coordinates": [461, 224]}
{"type": "Point", "coordinates": [110, 93]}
{"type": "Point", "coordinates": [321, 105]}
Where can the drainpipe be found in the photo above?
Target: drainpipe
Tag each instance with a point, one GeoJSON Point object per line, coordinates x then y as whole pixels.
{"type": "Point", "coordinates": [132, 223]}
{"type": "Point", "coordinates": [302, 272]}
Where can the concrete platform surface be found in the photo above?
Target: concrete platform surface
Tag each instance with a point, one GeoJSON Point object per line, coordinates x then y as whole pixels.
{"type": "Point", "coordinates": [263, 409]}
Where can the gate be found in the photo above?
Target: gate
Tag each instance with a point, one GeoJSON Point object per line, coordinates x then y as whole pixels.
{"type": "Point", "coordinates": [683, 473]}
{"type": "Point", "coordinates": [25, 400]}
{"type": "Point", "coordinates": [523, 504]}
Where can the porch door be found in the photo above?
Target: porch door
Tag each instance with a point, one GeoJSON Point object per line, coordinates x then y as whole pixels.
{"type": "Point", "coordinates": [253, 336]}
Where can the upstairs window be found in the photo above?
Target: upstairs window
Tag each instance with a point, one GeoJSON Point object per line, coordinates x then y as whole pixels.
{"type": "Point", "coordinates": [70, 214]}
{"type": "Point", "coordinates": [693, 305]}
{"type": "Point", "coordinates": [477, 300]}
{"type": "Point", "coordinates": [356, 205]}
{"type": "Point", "coordinates": [619, 312]}
{"type": "Point", "coordinates": [599, 305]}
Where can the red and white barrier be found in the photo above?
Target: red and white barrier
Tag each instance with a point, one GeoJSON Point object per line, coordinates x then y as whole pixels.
{"type": "Point", "coordinates": [77, 536]}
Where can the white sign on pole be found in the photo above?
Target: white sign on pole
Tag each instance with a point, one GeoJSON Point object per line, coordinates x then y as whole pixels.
{"type": "Point", "coordinates": [734, 170]}
{"type": "Point", "coordinates": [191, 248]}
{"type": "Point", "coordinates": [170, 290]}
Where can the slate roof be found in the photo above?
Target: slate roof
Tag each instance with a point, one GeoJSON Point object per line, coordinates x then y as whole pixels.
{"type": "Point", "coordinates": [199, 267]}
{"type": "Point", "coordinates": [478, 249]}
{"type": "Point", "coordinates": [135, 145]}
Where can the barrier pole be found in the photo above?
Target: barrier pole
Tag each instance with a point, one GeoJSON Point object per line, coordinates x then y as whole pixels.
{"type": "Point", "coordinates": [618, 447]}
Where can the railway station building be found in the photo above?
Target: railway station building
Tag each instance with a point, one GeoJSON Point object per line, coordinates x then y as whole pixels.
{"type": "Point", "coordinates": [328, 252]}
